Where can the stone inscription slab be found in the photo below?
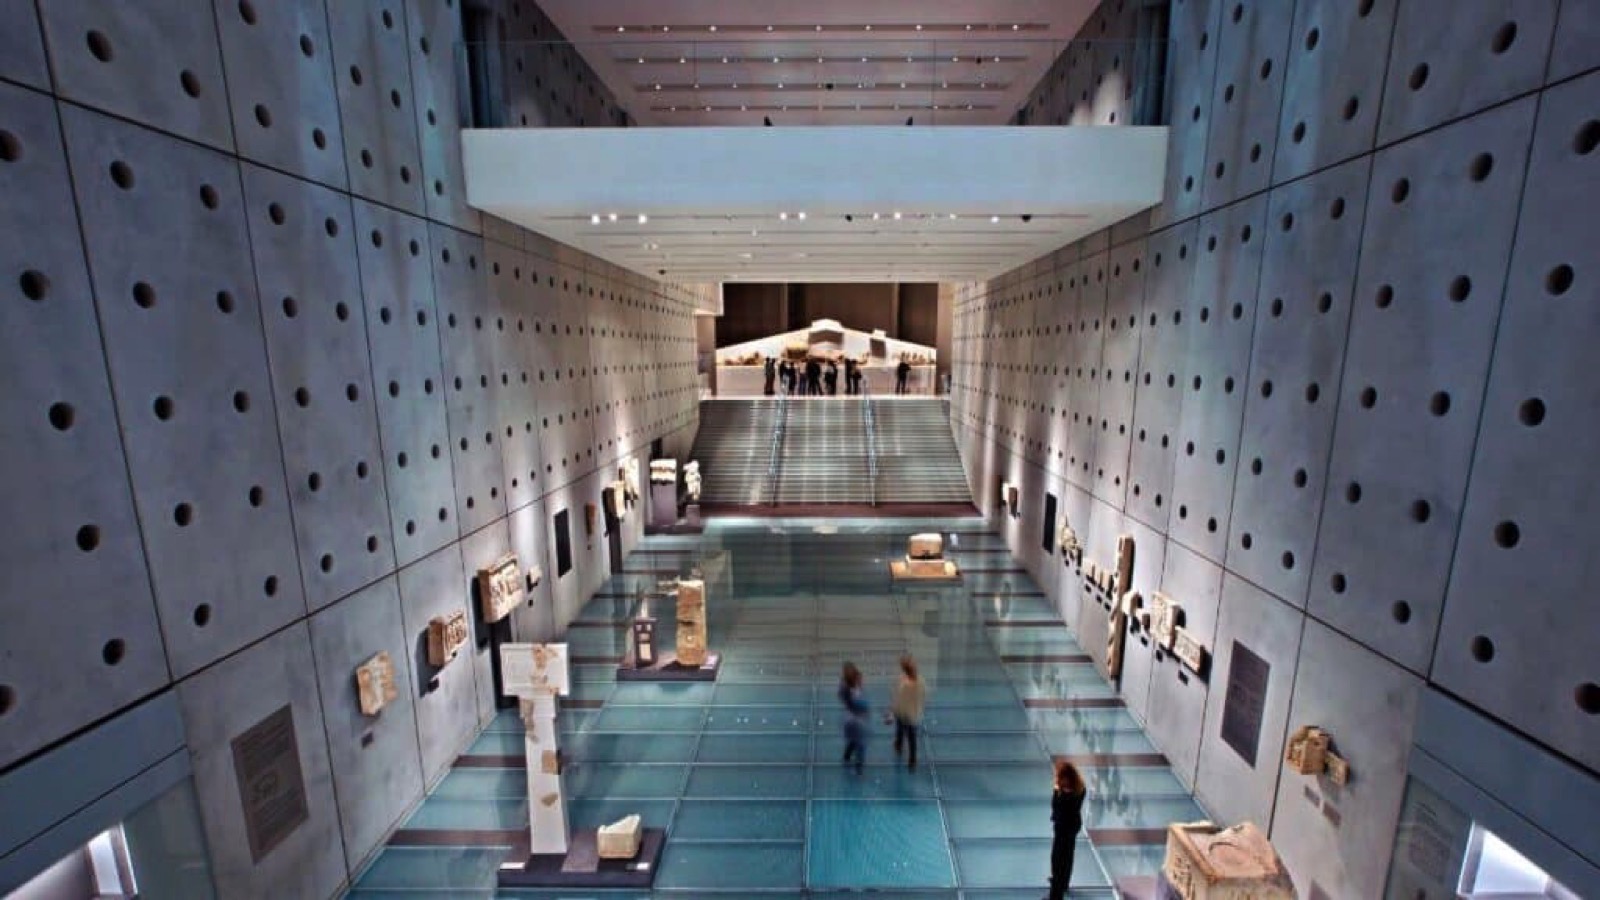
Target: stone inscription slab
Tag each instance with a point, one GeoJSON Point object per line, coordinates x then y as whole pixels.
{"type": "Point", "coordinates": [272, 792]}
{"type": "Point", "coordinates": [1245, 702]}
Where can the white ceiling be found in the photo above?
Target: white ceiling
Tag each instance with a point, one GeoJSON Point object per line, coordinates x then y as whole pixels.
{"type": "Point", "coordinates": [879, 204]}
{"type": "Point", "coordinates": [819, 62]}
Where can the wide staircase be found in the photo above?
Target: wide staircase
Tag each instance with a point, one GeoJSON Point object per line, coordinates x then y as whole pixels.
{"type": "Point", "coordinates": [824, 453]}
{"type": "Point", "coordinates": [835, 450]}
{"type": "Point", "coordinates": [734, 448]}
{"type": "Point", "coordinates": [916, 453]}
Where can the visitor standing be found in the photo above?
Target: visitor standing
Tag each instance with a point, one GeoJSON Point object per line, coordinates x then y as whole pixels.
{"type": "Point", "coordinates": [1066, 814]}
{"type": "Point", "coordinates": [769, 372]}
{"type": "Point", "coordinates": [902, 377]}
{"type": "Point", "coordinates": [909, 696]}
{"type": "Point", "coordinates": [855, 716]}
{"type": "Point", "coordinates": [831, 378]}
{"type": "Point", "coordinates": [849, 375]}
{"type": "Point", "coordinates": [813, 378]}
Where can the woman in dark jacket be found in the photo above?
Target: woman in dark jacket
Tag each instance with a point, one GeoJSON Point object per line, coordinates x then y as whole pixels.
{"type": "Point", "coordinates": [1066, 812]}
{"type": "Point", "coordinates": [855, 717]}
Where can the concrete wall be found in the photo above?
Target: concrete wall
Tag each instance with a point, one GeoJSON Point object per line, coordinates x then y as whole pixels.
{"type": "Point", "coordinates": [275, 393]}
{"type": "Point", "coordinates": [1335, 386]}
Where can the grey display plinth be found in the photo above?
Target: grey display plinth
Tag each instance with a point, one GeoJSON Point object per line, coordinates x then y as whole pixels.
{"type": "Point", "coordinates": [666, 668]}
{"type": "Point", "coordinates": [582, 867]}
{"type": "Point", "coordinates": [663, 504]}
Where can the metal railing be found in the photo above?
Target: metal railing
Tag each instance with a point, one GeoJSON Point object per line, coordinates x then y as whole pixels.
{"type": "Point", "coordinates": [775, 455]}
{"type": "Point", "coordinates": [869, 422]}
{"type": "Point", "coordinates": [826, 76]}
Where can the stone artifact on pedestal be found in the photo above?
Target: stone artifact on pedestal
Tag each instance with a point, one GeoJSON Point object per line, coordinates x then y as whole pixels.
{"type": "Point", "coordinates": [447, 634]}
{"type": "Point", "coordinates": [691, 480]}
{"type": "Point", "coordinates": [924, 560]}
{"type": "Point", "coordinates": [536, 674]}
{"type": "Point", "coordinates": [375, 686]}
{"type": "Point", "coordinates": [691, 622]}
{"type": "Point", "coordinates": [629, 473]}
{"type": "Point", "coordinates": [663, 492]}
{"type": "Point", "coordinates": [1310, 753]}
{"type": "Point", "coordinates": [500, 588]}
{"type": "Point", "coordinates": [620, 840]}
{"type": "Point", "coordinates": [1205, 862]}
{"type": "Point", "coordinates": [926, 546]}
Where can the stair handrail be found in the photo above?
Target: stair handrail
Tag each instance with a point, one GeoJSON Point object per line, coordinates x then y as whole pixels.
{"type": "Point", "coordinates": [775, 454]}
{"type": "Point", "coordinates": [869, 421]}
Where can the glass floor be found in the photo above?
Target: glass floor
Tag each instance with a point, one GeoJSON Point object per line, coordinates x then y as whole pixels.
{"type": "Point", "coordinates": [745, 774]}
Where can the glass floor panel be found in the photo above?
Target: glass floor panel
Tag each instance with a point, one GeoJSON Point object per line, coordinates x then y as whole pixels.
{"type": "Point", "coordinates": [745, 774]}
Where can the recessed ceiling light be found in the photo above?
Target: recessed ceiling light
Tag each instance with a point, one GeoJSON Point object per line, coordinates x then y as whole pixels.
{"type": "Point", "coordinates": [802, 215]}
{"type": "Point", "coordinates": [743, 108]}
{"type": "Point", "coordinates": [897, 215]}
{"type": "Point", "coordinates": [783, 217]}
{"type": "Point", "coordinates": [919, 27]}
{"type": "Point", "coordinates": [874, 217]}
{"type": "Point", "coordinates": [769, 27]}
{"type": "Point", "coordinates": [611, 216]}
{"type": "Point", "coordinates": [594, 219]}
{"type": "Point", "coordinates": [622, 28]}
{"type": "Point", "coordinates": [869, 27]}
{"type": "Point", "coordinates": [641, 60]}
{"type": "Point", "coordinates": [997, 59]}
{"type": "Point", "coordinates": [713, 28]}
{"type": "Point", "coordinates": [819, 27]}
{"type": "Point", "coordinates": [658, 87]}
{"type": "Point", "coordinates": [969, 27]}
{"type": "Point", "coordinates": [674, 109]}
{"type": "Point", "coordinates": [724, 60]}
{"type": "Point", "coordinates": [953, 215]}
{"type": "Point", "coordinates": [775, 59]}
{"type": "Point", "coordinates": [666, 28]}
{"type": "Point", "coordinates": [754, 233]}
{"type": "Point", "coordinates": [1015, 27]}
{"type": "Point", "coordinates": [994, 220]}
{"type": "Point", "coordinates": [780, 85]}
{"type": "Point", "coordinates": [644, 218]}
{"type": "Point", "coordinates": [697, 85]}
{"type": "Point", "coordinates": [736, 85]}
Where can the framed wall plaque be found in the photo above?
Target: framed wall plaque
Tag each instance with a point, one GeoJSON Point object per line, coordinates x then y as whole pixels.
{"type": "Point", "coordinates": [272, 790]}
{"type": "Point", "coordinates": [563, 525]}
{"type": "Point", "coordinates": [1245, 702]}
{"type": "Point", "coordinates": [375, 686]}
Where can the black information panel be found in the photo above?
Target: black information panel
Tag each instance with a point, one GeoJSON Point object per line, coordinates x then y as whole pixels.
{"type": "Point", "coordinates": [563, 544]}
{"type": "Point", "coordinates": [1050, 524]}
{"type": "Point", "coordinates": [1245, 703]}
{"type": "Point", "coordinates": [266, 760]}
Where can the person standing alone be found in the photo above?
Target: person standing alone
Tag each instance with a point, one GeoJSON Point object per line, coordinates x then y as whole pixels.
{"type": "Point", "coordinates": [902, 377]}
{"type": "Point", "coordinates": [910, 694]}
{"type": "Point", "coordinates": [1066, 815]}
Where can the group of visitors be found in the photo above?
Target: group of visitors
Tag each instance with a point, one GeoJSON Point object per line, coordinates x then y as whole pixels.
{"type": "Point", "coordinates": [810, 378]}
{"type": "Point", "coordinates": [905, 712]}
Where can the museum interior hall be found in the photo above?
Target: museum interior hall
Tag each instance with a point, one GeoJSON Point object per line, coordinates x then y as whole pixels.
{"type": "Point", "coordinates": [725, 449]}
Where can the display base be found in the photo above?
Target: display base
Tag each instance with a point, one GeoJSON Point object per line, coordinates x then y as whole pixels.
{"type": "Point", "coordinates": [899, 571]}
{"type": "Point", "coordinates": [582, 866]}
{"type": "Point", "coordinates": [668, 669]}
{"type": "Point", "coordinates": [682, 526]}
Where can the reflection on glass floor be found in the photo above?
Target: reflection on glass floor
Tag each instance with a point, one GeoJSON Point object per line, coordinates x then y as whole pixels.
{"type": "Point", "coordinates": [744, 773]}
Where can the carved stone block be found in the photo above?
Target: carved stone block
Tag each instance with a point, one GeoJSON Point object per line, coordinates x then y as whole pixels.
{"type": "Point", "coordinates": [500, 588]}
{"type": "Point", "coordinates": [620, 840]}
{"type": "Point", "coordinates": [534, 670]}
{"type": "Point", "coordinates": [663, 471]}
{"type": "Point", "coordinates": [590, 513]}
{"type": "Point", "coordinates": [1205, 862]}
{"type": "Point", "coordinates": [1310, 753]}
{"type": "Point", "coordinates": [375, 683]}
{"type": "Point", "coordinates": [926, 546]}
{"type": "Point", "coordinates": [1067, 542]}
{"type": "Point", "coordinates": [446, 636]}
{"type": "Point", "coordinates": [1124, 567]}
{"type": "Point", "coordinates": [1187, 649]}
{"type": "Point", "coordinates": [615, 496]}
{"type": "Point", "coordinates": [1163, 619]}
{"type": "Point", "coordinates": [691, 622]}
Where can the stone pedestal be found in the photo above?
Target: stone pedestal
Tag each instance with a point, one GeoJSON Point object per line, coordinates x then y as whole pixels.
{"type": "Point", "coordinates": [547, 810]}
{"type": "Point", "coordinates": [1205, 862]}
